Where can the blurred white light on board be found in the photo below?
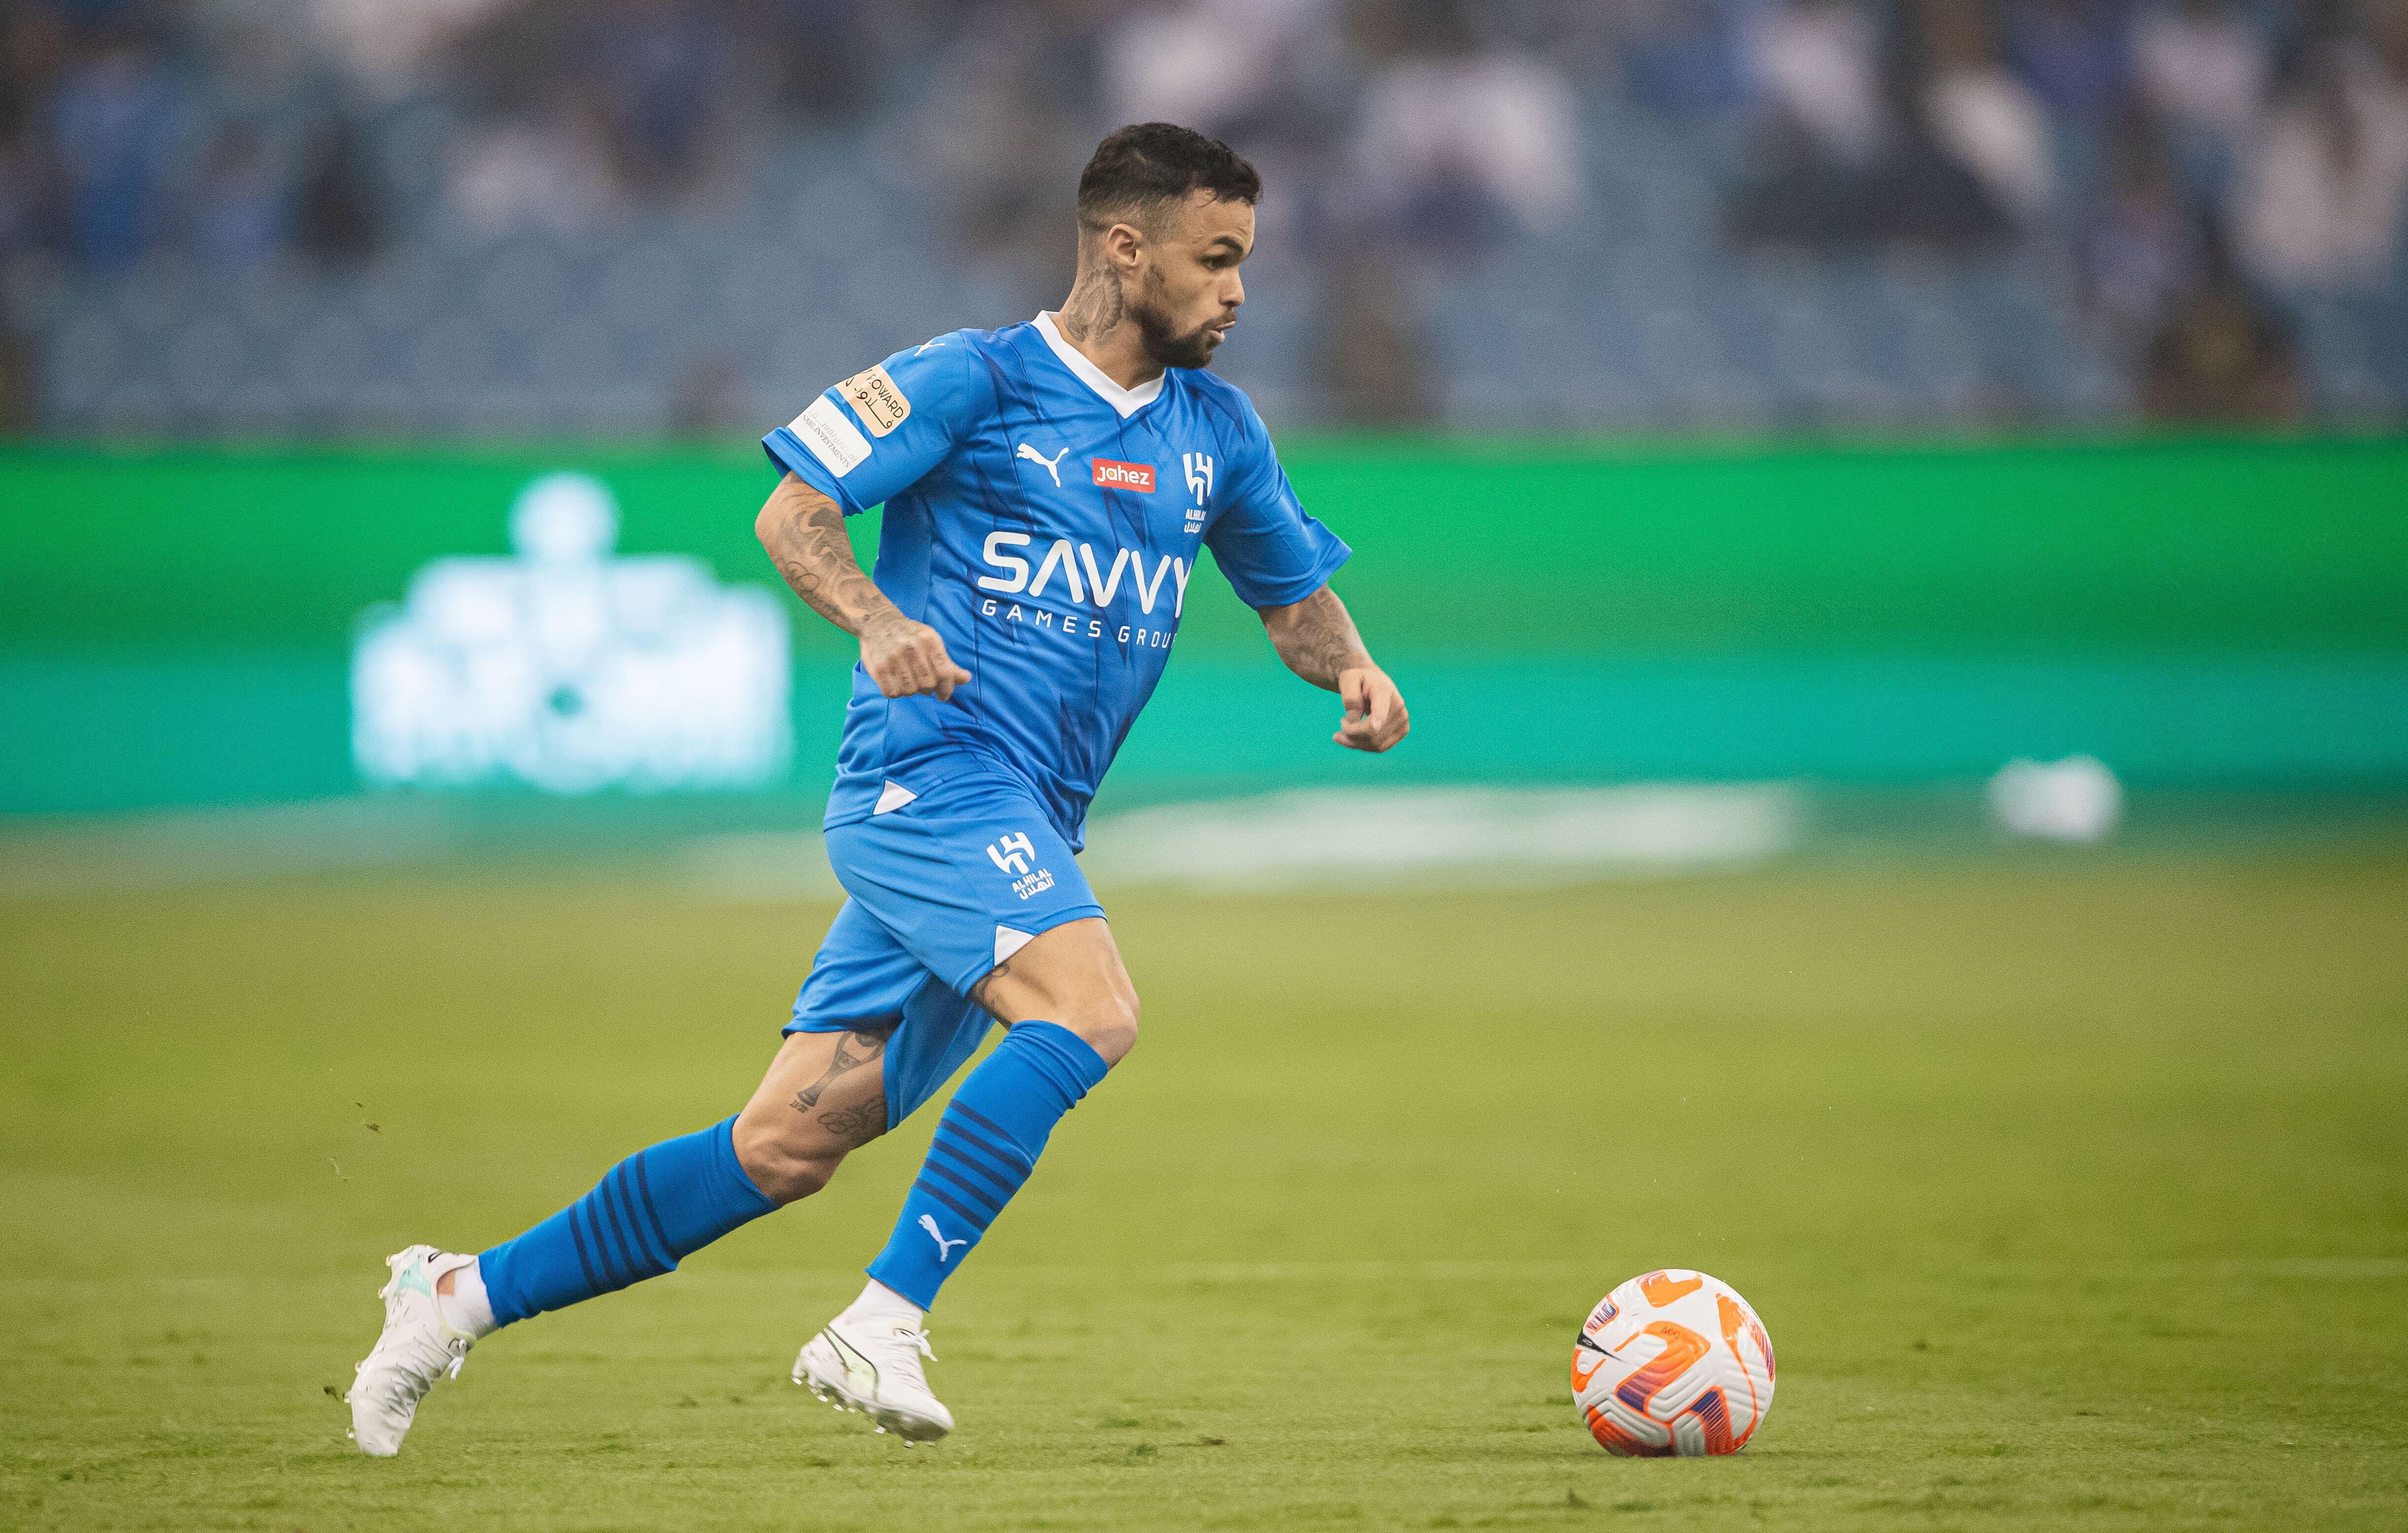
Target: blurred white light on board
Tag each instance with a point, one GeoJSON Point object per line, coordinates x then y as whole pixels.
{"type": "Point", "coordinates": [2076, 799]}
{"type": "Point", "coordinates": [571, 670]}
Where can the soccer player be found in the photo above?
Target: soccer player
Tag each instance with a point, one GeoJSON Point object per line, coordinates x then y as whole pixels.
{"type": "Point", "coordinates": [1048, 488]}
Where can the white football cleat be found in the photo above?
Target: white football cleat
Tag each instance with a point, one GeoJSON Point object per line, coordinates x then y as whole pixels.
{"type": "Point", "coordinates": [418, 1347]}
{"type": "Point", "coordinates": [875, 1369]}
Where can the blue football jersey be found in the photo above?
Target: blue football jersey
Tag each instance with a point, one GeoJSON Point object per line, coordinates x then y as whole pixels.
{"type": "Point", "coordinates": [1046, 522]}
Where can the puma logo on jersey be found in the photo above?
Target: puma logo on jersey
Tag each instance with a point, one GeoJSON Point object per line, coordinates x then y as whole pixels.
{"type": "Point", "coordinates": [1051, 465]}
{"type": "Point", "coordinates": [944, 1247]}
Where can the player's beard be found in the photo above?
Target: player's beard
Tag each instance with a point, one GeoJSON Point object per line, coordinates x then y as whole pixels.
{"type": "Point", "coordinates": [1164, 343]}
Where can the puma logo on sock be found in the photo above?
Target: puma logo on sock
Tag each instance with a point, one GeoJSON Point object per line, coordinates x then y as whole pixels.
{"type": "Point", "coordinates": [944, 1247]}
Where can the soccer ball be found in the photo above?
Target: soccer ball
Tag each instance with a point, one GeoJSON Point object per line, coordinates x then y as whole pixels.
{"type": "Point", "coordinates": [1672, 1363]}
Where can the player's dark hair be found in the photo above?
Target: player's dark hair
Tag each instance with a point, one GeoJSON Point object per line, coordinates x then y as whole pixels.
{"type": "Point", "coordinates": [1147, 167]}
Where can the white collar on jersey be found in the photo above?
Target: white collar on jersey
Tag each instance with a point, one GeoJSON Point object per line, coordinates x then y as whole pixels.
{"type": "Point", "coordinates": [1127, 401]}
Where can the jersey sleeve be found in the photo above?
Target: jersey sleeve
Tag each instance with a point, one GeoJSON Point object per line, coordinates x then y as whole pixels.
{"type": "Point", "coordinates": [879, 431]}
{"type": "Point", "coordinates": [1272, 553]}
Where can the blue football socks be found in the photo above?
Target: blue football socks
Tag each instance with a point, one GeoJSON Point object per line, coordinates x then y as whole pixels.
{"type": "Point", "coordinates": [657, 1208]}
{"type": "Point", "coordinates": [662, 1204]}
{"type": "Point", "coordinates": [986, 1144]}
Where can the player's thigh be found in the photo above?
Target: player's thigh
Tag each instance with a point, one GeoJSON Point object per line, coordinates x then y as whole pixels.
{"type": "Point", "coordinates": [978, 886]}
{"type": "Point", "coordinates": [1071, 975]}
{"type": "Point", "coordinates": [865, 980]}
{"type": "Point", "coordinates": [824, 1096]}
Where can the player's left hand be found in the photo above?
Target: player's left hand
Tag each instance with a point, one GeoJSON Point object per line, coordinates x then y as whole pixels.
{"type": "Point", "coordinates": [1375, 710]}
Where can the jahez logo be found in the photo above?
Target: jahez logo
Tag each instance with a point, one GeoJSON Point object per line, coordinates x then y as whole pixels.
{"type": "Point", "coordinates": [1114, 475]}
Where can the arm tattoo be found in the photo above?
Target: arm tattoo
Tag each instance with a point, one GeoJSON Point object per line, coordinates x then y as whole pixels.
{"type": "Point", "coordinates": [872, 1045]}
{"type": "Point", "coordinates": [1316, 638]}
{"type": "Point", "coordinates": [808, 545]}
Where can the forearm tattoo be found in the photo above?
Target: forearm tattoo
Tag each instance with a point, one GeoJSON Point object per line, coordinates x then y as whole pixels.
{"type": "Point", "coordinates": [1318, 641]}
{"type": "Point", "coordinates": [813, 553]}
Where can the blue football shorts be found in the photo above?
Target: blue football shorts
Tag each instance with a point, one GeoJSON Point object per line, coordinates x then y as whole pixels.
{"type": "Point", "coordinates": [941, 889]}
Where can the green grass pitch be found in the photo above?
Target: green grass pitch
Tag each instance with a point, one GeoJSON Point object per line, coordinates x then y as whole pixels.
{"type": "Point", "coordinates": [2073, 1191]}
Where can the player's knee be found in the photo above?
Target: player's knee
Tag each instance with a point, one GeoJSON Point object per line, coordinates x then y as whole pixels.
{"type": "Point", "coordinates": [785, 1169]}
{"type": "Point", "coordinates": [1108, 1024]}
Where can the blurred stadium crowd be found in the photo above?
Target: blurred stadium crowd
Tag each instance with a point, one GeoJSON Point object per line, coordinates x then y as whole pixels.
{"type": "Point", "coordinates": [288, 215]}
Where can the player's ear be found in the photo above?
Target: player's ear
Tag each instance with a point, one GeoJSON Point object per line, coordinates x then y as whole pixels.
{"type": "Point", "coordinates": [1123, 243]}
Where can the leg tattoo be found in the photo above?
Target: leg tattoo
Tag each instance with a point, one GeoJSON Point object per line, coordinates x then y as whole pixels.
{"type": "Point", "coordinates": [978, 991]}
{"type": "Point", "coordinates": [857, 1125]}
{"type": "Point", "coordinates": [872, 1045]}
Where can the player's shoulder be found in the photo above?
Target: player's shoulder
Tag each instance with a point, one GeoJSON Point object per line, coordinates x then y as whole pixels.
{"type": "Point", "coordinates": [956, 353]}
{"type": "Point", "coordinates": [1226, 405]}
{"type": "Point", "coordinates": [1211, 390]}
{"type": "Point", "coordinates": [953, 373]}
{"type": "Point", "coordinates": [970, 341]}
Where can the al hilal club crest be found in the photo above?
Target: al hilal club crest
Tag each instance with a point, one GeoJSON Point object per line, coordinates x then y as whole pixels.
{"type": "Point", "coordinates": [567, 669]}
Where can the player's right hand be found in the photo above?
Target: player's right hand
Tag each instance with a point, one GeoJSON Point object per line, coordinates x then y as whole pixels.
{"type": "Point", "coordinates": [907, 659]}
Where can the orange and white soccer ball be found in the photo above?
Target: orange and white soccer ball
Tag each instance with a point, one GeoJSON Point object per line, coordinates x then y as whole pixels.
{"type": "Point", "coordinates": [1672, 1363]}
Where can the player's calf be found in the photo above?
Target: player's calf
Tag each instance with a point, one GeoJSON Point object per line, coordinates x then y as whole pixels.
{"type": "Point", "coordinates": [1073, 1015]}
{"type": "Point", "coordinates": [824, 1096]}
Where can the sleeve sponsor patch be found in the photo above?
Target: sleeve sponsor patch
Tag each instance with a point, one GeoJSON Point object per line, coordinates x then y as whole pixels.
{"type": "Point", "coordinates": [831, 439]}
{"type": "Point", "coordinates": [875, 398]}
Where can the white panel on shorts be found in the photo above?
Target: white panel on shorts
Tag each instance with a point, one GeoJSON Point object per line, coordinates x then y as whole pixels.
{"type": "Point", "coordinates": [1009, 941]}
{"type": "Point", "coordinates": [895, 798]}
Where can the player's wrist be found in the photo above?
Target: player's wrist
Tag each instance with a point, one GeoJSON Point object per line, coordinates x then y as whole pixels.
{"type": "Point", "coordinates": [884, 624]}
